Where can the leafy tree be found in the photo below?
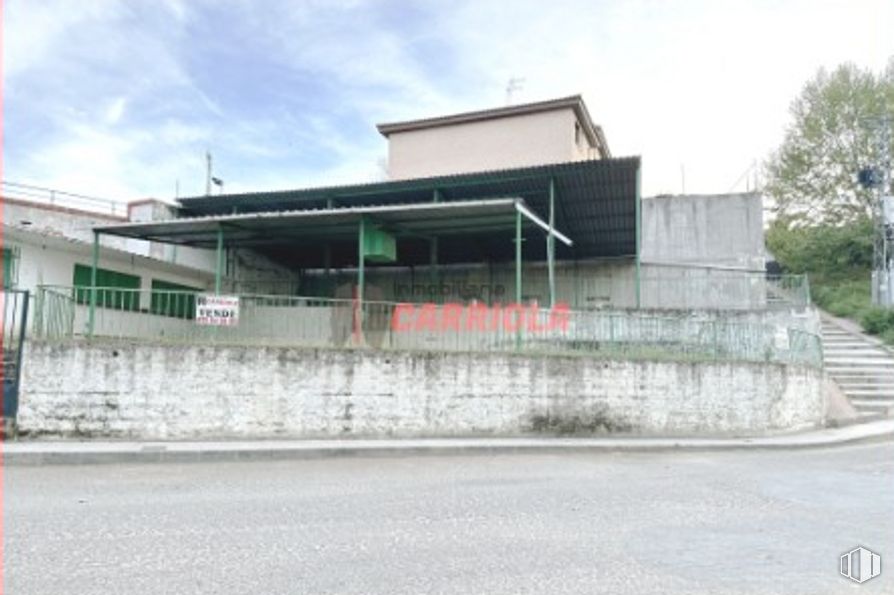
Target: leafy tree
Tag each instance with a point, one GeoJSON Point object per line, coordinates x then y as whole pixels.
{"type": "Point", "coordinates": [812, 176]}
{"type": "Point", "coordinates": [827, 250]}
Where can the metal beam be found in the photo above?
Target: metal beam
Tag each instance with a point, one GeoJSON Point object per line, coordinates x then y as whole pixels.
{"type": "Point", "coordinates": [521, 208]}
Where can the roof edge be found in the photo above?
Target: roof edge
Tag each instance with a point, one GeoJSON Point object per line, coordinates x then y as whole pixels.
{"type": "Point", "coordinates": [574, 102]}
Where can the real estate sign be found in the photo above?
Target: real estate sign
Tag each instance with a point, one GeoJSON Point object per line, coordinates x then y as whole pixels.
{"type": "Point", "coordinates": [217, 310]}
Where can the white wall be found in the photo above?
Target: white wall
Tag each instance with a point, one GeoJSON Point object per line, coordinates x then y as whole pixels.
{"type": "Point", "coordinates": [724, 230]}
{"type": "Point", "coordinates": [60, 221]}
{"type": "Point", "coordinates": [500, 143]}
{"type": "Point", "coordinates": [127, 390]}
{"type": "Point", "coordinates": [51, 261]}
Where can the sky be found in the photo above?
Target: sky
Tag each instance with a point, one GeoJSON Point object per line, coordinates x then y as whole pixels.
{"type": "Point", "coordinates": [121, 99]}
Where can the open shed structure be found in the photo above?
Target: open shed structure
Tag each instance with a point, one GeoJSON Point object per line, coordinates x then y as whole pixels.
{"type": "Point", "coordinates": [591, 207]}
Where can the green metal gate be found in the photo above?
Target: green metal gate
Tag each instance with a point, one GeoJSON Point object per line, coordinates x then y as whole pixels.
{"type": "Point", "coordinates": [14, 310]}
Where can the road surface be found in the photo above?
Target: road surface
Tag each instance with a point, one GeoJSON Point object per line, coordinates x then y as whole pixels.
{"type": "Point", "coordinates": [713, 523]}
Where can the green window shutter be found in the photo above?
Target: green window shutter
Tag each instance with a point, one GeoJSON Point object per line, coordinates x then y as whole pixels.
{"type": "Point", "coordinates": [118, 291]}
{"type": "Point", "coordinates": [181, 304]}
{"type": "Point", "coordinates": [10, 267]}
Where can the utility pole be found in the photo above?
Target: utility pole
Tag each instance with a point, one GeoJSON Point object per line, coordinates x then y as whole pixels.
{"type": "Point", "coordinates": [878, 178]}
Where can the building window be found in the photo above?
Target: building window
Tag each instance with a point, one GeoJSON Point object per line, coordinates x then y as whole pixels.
{"type": "Point", "coordinates": [577, 133]}
{"type": "Point", "coordinates": [10, 267]}
{"type": "Point", "coordinates": [118, 291]}
{"type": "Point", "coordinates": [173, 299]}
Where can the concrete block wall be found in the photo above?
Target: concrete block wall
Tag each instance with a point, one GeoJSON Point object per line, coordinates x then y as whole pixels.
{"type": "Point", "coordinates": [148, 391]}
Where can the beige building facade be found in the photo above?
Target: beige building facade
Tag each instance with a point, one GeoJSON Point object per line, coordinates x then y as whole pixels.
{"type": "Point", "coordinates": [554, 131]}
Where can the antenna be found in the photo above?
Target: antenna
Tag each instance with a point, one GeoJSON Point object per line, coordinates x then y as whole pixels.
{"type": "Point", "coordinates": [207, 173]}
{"type": "Point", "coordinates": [514, 84]}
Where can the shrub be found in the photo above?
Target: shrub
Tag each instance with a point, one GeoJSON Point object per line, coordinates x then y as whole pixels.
{"type": "Point", "coordinates": [877, 321]}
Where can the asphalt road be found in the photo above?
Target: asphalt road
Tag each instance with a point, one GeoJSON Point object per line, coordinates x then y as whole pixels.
{"type": "Point", "coordinates": [735, 522]}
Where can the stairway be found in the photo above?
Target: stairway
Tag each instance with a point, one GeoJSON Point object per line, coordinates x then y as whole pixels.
{"type": "Point", "coordinates": [861, 366]}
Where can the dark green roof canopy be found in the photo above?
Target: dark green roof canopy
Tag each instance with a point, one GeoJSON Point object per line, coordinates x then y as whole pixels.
{"type": "Point", "coordinates": [596, 205]}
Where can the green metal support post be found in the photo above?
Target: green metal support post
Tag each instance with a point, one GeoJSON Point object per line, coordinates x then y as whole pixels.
{"type": "Point", "coordinates": [639, 214]}
{"type": "Point", "coordinates": [433, 250]}
{"type": "Point", "coordinates": [218, 268]}
{"type": "Point", "coordinates": [91, 316]}
{"type": "Point", "coordinates": [327, 249]}
{"type": "Point", "coordinates": [361, 253]}
{"type": "Point", "coordinates": [518, 275]}
{"type": "Point", "coordinates": [551, 244]}
{"type": "Point", "coordinates": [518, 257]}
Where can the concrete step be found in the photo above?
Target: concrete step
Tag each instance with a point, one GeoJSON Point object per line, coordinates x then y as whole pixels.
{"type": "Point", "coordinates": [855, 362]}
{"type": "Point", "coordinates": [869, 396]}
{"type": "Point", "coordinates": [861, 418]}
{"type": "Point", "coordinates": [831, 352]}
{"type": "Point", "coordinates": [833, 347]}
{"type": "Point", "coordinates": [873, 406]}
{"type": "Point", "coordinates": [866, 386]}
{"type": "Point", "coordinates": [850, 379]}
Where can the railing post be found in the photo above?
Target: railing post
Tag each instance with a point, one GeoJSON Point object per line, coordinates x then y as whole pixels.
{"type": "Point", "coordinates": [39, 298]}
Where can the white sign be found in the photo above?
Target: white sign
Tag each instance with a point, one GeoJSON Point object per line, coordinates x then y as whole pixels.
{"type": "Point", "coordinates": [217, 310]}
{"type": "Point", "coordinates": [888, 209]}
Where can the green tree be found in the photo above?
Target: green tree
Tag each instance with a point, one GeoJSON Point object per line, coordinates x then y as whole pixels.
{"type": "Point", "coordinates": [812, 176]}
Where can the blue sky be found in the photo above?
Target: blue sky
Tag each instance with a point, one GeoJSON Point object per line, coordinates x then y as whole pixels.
{"type": "Point", "coordinates": [121, 98]}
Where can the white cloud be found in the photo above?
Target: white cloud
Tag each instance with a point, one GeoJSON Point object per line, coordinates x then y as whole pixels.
{"type": "Point", "coordinates": [703, 84]}
{"type": "Point", "coordinates": [115, 110]}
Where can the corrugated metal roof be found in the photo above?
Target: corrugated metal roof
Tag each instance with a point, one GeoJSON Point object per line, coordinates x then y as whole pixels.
{"type": "Point", "coordinates": [595, 206]}
{"type": "Point", "coordinates": [316, 225]}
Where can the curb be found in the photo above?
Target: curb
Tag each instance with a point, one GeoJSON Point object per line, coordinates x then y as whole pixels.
{"type": "Point", "coordinates": [80, 453]}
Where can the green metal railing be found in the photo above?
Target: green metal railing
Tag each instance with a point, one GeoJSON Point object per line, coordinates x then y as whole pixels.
{"type": "Point", "coordinates": [272, 320]}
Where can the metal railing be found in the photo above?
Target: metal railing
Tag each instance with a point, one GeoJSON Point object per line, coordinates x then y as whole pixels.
{"type": "Point", "coordinates": [271, 320]}
{"type": "Point", "coordinates": [61, 198]}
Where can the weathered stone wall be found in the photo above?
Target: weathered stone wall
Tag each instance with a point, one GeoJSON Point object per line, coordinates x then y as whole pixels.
{"type": "Point", "coordinates": [178, 392]}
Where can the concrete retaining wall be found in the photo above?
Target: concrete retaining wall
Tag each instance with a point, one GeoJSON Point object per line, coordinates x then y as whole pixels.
{"type": "Point", "coordinates": [178, 392]}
